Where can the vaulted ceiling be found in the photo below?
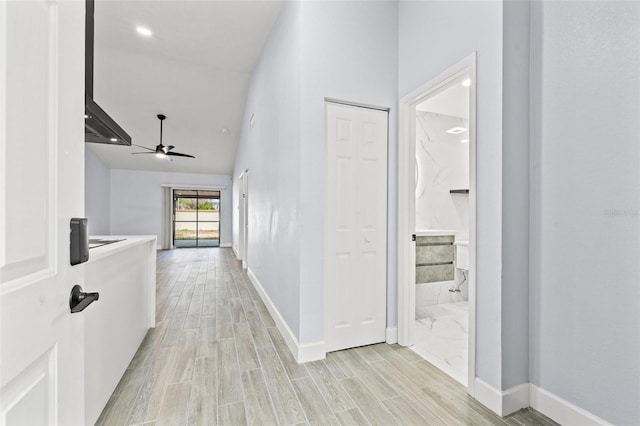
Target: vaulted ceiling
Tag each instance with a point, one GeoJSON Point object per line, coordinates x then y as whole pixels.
{"type": "Point", "coordinates": [194, 68]}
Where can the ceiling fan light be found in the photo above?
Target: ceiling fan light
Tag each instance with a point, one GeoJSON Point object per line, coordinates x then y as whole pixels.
{"type": "Point", "coordinates": [161, 155]}
{"type": "Point", "coordinates": [144, 31]}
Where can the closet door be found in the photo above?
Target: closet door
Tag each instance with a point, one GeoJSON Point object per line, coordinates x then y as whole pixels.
{"type": "Point", "coordinates": [356, 227]}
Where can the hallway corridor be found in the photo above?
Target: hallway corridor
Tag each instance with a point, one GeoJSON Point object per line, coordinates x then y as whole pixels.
{"type": "Point", "coordinates": [216, 357]}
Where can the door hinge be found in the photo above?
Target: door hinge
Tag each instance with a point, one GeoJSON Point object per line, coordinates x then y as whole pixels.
{"type": "Point", "coordinates": [413, 237]}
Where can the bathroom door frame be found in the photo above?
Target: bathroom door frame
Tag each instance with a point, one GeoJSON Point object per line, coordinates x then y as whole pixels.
{"type": "Point", "coordinates": [407, 209]}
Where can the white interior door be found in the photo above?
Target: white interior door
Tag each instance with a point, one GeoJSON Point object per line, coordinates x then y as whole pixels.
{"type": "Point", "coordinates": [245, 219]}
{"type": "Point", "coordinates": [242, 214]}
{"type": "Point", "coordinates": [41, 189]}
{"type": "Point", "coordinates": [356, 239]}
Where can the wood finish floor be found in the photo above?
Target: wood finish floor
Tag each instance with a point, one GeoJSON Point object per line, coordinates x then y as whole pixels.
{"type": "Point", "coordinates": [216, 357]}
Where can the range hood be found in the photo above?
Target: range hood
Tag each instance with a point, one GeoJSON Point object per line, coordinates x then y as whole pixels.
{"type": "Point", "coordinates": [98, 126]}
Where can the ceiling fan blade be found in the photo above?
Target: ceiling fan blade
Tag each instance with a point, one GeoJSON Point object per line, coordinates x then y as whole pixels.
{"type": "Point", "coordinates": [169, 147]}
{"type": "Point", "coordinates": [177, 154]}
{"type": "Point", "coordinates": [143, 147]}
{"type": "Point", "coordinates": [150, 152]}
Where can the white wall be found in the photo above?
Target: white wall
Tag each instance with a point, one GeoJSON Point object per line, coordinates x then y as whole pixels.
{"type": "Point", "coordinates": [97, 196]}
{"type": "Point", "coordinates": [435, 35]}
{"type": "Point", "coordinates": [271, 152]}
{"type": "Point", "coordinates": [348, 52]}
{"type": "Point", "coordinates": [136, 200]}
{"type": "Point", "coordinates": [442, 164]}
{"type": "Point", "coordinates": [585, 299]}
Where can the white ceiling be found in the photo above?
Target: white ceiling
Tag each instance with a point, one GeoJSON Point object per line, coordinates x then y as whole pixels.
{"type": "Point", "coordinates": [195, 69]}
{"type": "Point", "coordinates": [453, 101]}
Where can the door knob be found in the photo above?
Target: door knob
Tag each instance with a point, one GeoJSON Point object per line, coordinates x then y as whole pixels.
{"type": "Point", "coordinates": [80, 300]}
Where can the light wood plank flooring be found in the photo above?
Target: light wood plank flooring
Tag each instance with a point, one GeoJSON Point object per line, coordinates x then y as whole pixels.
{"type": "Point", "coordinates": [216, 357]}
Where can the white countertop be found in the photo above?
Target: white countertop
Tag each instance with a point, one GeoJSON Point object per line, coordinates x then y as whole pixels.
{"type": "Point", "coordinates": [101, 252]}
{"type": "Point", "coordinates": [434, 232]}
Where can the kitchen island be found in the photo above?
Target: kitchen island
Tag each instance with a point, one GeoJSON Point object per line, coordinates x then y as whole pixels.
{"type": "Point", "coordinates": [124, 273]}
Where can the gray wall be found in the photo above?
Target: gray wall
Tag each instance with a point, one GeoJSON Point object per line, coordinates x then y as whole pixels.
{"type": "Point", "coordinates": [271, 152]}
{"type": "Point", "coordinates": [136, 200]}
{"type": "Point", "coordinates": [566, 169]}
{"type": "Point", "coordinates": [585, 297]}
{"type": "Point", "coordinates": [434, 36]}
{"type": "Point", "coordinates": [97, 193]}
{"type": "Point", "coordinates": [515, 194]}
{"type": "Point", "coordinates": [348, 52]}
{"type": "Point", "coordinates": [343, 50]}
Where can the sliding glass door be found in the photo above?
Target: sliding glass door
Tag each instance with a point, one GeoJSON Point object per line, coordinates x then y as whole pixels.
{"type": "Point", "coordinates": [196, 218]}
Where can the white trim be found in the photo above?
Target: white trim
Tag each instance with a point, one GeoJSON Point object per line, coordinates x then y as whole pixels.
{"type": "Point", "coordinates": [235, 252]}
{"type": "Point", "coordinates": [311, 352]}
{"type": "Point", "coordinates": [560, 410]}
{"type": "Point", "coordinates": [392, 335]}
{"type": "Point", "coordinates": [356, 104]}
{"type": "Point", "coordinates": [527, 394]}
{"type": "Point", "coordinates": [515, 398]}
{"type": "Point", "coordinates": [244, 265]}
{"type": "Point", "coordinates": [225, 245]}
{"type": "Point", "coordinates": [505, 402]}
{"type": "Point", "coordinates": [302, 352]}
{"type": "Point", "coordinates": [488, 396]}
{"type": "Point", "coordinates": [187, 186]}
{"type": "Point", "coordinates": [406, 204]}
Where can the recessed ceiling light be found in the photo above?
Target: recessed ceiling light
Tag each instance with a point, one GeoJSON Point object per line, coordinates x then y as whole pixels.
{"type": "Point", "coordinates": [456, 130]}
{"type": "Point", "coordinates": [464, 141]}
{"type": "Point", "coordinates": [114, 139]}
{"type": "Point", "coordinates": [224, 130]}
{"type": "Point", "coordinates": [467, 82]}
{"type": "Point", "coordinates": [144, 31]}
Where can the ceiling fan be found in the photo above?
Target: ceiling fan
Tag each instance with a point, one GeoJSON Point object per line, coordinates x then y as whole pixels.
{"type": "Point", "coordinates": [162, 151]}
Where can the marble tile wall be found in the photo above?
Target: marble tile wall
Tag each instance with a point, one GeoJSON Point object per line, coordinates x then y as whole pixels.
{"type": "Point", "coordinates": [442, 164]}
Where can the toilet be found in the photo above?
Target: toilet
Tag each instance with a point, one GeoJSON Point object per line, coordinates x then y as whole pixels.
{"type": "Point", "coordinates": [462, 255]}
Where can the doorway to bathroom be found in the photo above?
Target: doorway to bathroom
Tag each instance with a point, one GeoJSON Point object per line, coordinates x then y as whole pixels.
{"type": "Point", "coordinates": [436, 244]}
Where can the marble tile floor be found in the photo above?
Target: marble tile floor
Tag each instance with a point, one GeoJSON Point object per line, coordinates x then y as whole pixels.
{"type": "Point", "coordinates": [441, 337]}
{"type": "Point", "coordinates": [216, 357]}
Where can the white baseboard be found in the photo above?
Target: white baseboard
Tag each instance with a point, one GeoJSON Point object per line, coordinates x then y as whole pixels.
{"type": "Point", "coordinates": [244, 265]}
{"type": "Point", "coordinates": [311, 352]}
{"type": "Point", "coordinates": [515, 398]}
{"type": "Point", "coordinates": [502, 403]}
{"type": "Point", "coordinates": [235, 252]}
{"type": "Point", "coordinates": [391, 335]}
{"type": "Point", "coordinates": [560, 410]}
{"type": "Point", "coordinates": [488, 396]}
{"type": "Point", "coordinates": [302, 352]}
{"type": "Point", "coordinates": [225, 245]}
{"type": "Point", "coordinates": [525, 395]}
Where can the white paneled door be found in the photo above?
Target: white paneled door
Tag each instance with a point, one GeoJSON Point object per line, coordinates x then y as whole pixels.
{"type": "Point", "coordinates": [41, 189]}
{"type": "Point", "coordinates": [356, 227]}
{"type": "Point", "coordinates": [243, 215]}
